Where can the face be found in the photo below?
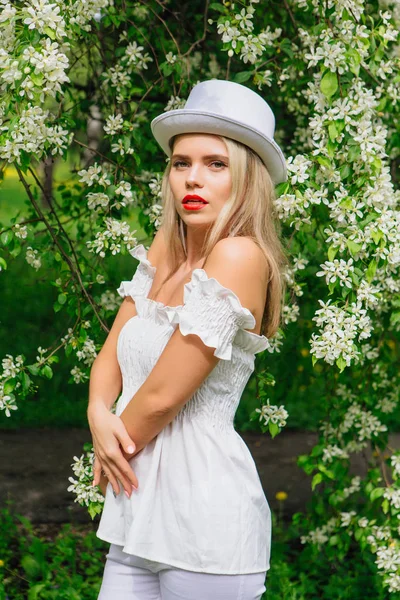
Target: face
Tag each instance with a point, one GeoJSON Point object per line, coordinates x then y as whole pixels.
{"type": "Point", "coordinates": [200, 166]}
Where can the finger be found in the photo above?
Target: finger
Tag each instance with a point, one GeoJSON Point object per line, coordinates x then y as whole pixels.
{"type": "Point", "coordinates": [111, 478]}
{"type": "Point", "coordinates": [125, 474]}
{"type": "Point", "coordinates": [126, 442]}
{"type": "Point", "coordinates": [96, 471]}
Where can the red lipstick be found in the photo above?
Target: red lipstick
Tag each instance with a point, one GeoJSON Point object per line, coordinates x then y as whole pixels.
{"type": "Point", "coordinates": [193, 202]}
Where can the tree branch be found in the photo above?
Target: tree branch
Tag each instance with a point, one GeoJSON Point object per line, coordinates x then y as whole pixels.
{"type": "Point", "coordinates": [74, 271]}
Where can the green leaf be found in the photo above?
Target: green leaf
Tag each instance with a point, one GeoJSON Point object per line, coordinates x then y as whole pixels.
{"type": "Point", "coordinates": [324, 161]}
{"type": "Point", "coordinates": [395, 318]}
{"type": "Point", "coordinates": [333, 131]}
{"type": "Point", "coordinates": [47, 371]}
{"type": "Point", "coordinates": [242, 76]}
{"type": "Point", "coordinates": [316, 480]}
{"type": "Point", "coordinates": [353, 247]}
{"type": "Point", "coordinates": [9, 386]}
{"type": "Point", "coordinates": [3, 264]}
{"type": "Point", "coordinates": [33, 369]}
{"type": "Point", "coordinates": [282, 188]}
{"type": "Point", "coordinates": [35, 590]}
{"type": "Point", "coordinates": [31, 566]}
{"type": "Point", "coordinates": [332, 286]}
{"type": "Point", "coordinates": [345, 171]}
{"type": "Point", "coordinates": [218, 7]}
{"type": "Point", "coordinates": [354, 60]}
{"type": "Point", "coordinates": [345, 291]}
{"type": "Point", "coordinates": [166, 68]}
{"type": "Point", "coordinates": [6, 237]}
{"type": "Point", "coordinates": [376, 493]}
{"type": "Point", "coordinates": [25, 381]}
{"type": "Point", "coordinates": [332, 251]}
{"type": "Point", "coordinates": [334, 540]}
{"type": "Point", "coordinates": [287, 47]}
{"type": "Point", "coordinates": [382, 104]}
{"type": "Point", "coordinates": [62, 298]}
{"type": "Point", "coordinates": [273, 429]}
{"type": "Point", "coordinates": [50, 32]}
{"type": "Point", "coordinates": [354, 153]}
{"type": "Point", "coordinates": [16, 250]}
{"type": "Point", "coordinates": [329, 84]}
{"type": "Point", "coordinates": [385, 506]}
{"type": "Point", "coordinates": [37, 79]}
{"type": "Point", "coordinates": [341, 363]}
{"type": "Point", "coordinates": [95, 509]}
{"type": "Point", "coordinates": [358, 534]}
{"type": "Point", "coordinates": [371, 270]}
{"type": "Point", "coordinates": [376, 236]}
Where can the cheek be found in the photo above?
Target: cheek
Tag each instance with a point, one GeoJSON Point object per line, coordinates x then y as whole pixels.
{"type": "Point", "coordinates": [173, 183]}
{"type": "Point", "coordinates": [226, 186]}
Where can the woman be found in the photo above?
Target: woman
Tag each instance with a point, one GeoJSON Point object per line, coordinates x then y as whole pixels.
{"type": "Point", "coordinates": [193, 521]}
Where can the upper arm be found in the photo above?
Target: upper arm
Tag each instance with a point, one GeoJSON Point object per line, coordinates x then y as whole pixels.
{"type": "Point", "coordinates": [187, 360]}
{"type": "Point", "coordinates": [239, 264]}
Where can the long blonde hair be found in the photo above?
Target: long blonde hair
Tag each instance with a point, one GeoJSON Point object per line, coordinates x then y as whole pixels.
{"type": "Point", "coordinates": [249, 212]}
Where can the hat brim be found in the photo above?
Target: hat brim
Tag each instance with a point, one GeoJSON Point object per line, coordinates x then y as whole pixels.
{"type": "Point", "coordinates": [185, 120]}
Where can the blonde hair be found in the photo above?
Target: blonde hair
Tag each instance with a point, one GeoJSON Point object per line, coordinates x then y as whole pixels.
{"type": "Point", "coordinates": [249, 212]}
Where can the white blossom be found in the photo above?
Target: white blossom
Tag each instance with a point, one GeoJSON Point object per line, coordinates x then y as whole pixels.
{"type": "Point", "coordinates": [32, 258]}
{"type": "Point", "coordinates": [275, 414]}
{"type": "Point", "coordinates": [114, 123]}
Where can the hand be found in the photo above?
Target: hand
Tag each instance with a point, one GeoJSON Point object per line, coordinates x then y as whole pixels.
{"type": "Point", "coordinates": [108, 432]}
{"type": "Point", "coordinates": [103, 483]}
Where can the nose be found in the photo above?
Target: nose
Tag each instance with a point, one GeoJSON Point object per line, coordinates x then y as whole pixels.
{"type": "Point", "coordinates": [193, 176]}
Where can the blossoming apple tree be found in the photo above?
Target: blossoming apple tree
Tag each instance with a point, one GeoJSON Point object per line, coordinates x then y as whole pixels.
{"type": "Point", "coordinates": [84, 79]}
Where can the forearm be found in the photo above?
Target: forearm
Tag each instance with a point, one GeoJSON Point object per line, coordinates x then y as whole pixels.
{"type": "Point", "coordinates": [144, 417]}
{"type": "Point", "coordinates": [105, 382]}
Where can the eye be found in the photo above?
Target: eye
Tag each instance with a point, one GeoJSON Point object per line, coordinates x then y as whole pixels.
{"type": "Point", "coordinates": [218, 162]}
{"type": "Point", "coordinates": [179, 162]}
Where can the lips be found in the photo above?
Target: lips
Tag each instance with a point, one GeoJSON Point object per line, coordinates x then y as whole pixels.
{"type": "Point", "coordinates": [193, 197]}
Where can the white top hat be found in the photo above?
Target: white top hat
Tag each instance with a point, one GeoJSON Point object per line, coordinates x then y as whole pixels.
{"type": "Point", "coordinates": [225, 108]}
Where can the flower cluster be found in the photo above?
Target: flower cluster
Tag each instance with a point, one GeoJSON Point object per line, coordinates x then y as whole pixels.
{"type": "Point", "coordinates": [81, 484]}
{"type": "Point", "coordinates": [33, 258]}
{"type": "Point", "coordinates": [237, 35]}
{"type": "Point", "coordinates": [118, 77]}
{"type": "Point", "coordinates": [11, 368]}
{"type": "Point", "coordinates": [109, 301]}
{"type": "Point", "coordinates": [31, 132]}
{"type": "Point", "coordinates": [342, 327]}
{"type": "Point", "coordinates": [275, 414]}
{"type": "Point", "coordinates": [116, 234]}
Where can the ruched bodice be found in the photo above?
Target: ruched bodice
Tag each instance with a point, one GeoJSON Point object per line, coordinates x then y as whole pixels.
{"type": "Point", "coordinates": [200, 504]}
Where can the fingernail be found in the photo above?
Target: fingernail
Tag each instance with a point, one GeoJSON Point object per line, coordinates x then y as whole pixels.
{"type": "Point", "coordinates": [126, 494]}
{"type": "Point", "coordinates": [115, 495]}
{"type": "Point", "coordinates": [130, 449]}
{"type": "Point", "coordinates": [93, 483]}
{"type": "Point", "coordinates": [134, 486]}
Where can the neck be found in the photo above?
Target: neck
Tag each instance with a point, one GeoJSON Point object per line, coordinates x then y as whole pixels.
{"type": "Point", "coordinates": [194, 243]}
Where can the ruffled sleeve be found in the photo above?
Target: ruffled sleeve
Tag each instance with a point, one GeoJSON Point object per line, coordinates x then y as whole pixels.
{"type": "Point", "coordinates": [142, 280]}
{"type": "Point", "coordinates": [215, 314]}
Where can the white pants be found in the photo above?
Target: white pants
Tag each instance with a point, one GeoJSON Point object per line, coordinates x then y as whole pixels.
{"type": "Point", "coordinates": [128, 577]}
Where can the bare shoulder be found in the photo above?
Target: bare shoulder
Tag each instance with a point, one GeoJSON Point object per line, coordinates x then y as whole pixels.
{"type": "Point", "coordinates": [237, 252]}
{"type": "Point", "coordinates": [239, 264]}
{"type": "Point", "coordinates": [157, 248]}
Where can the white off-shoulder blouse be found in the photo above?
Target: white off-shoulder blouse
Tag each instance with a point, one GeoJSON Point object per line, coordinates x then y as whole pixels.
{"type": "Point", "coordinates": [200, 505]}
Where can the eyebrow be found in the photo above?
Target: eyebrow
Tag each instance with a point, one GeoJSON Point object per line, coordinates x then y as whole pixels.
{"type": "Point", "coordinates": [186, 156]}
